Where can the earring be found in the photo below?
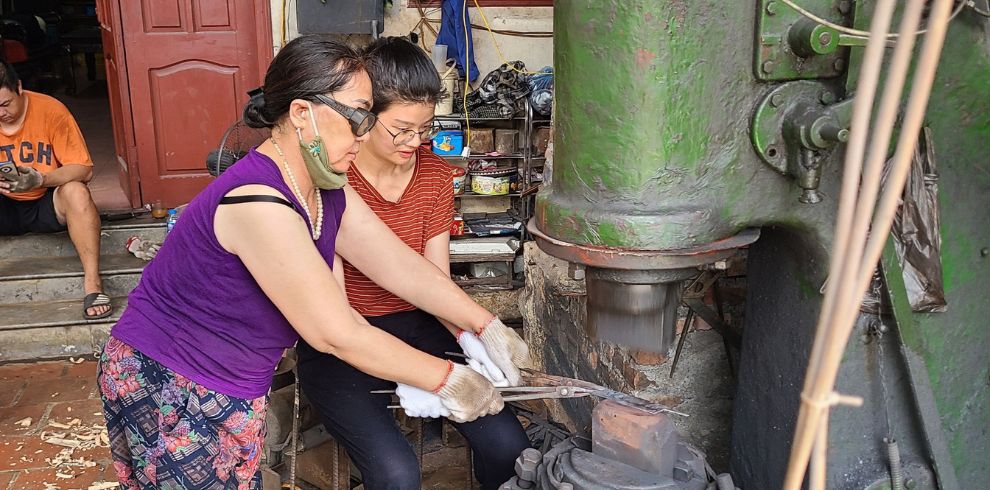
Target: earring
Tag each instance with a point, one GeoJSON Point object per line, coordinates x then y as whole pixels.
{"type": "Point", "coordinates": [299, 133]}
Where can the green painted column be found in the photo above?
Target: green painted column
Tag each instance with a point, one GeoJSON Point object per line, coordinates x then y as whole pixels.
{"type": "Point", "coordinates": [652, 147]}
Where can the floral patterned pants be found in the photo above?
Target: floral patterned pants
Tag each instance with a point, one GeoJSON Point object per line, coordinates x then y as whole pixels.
{"type": "Point", "coordinates": [168, 432]}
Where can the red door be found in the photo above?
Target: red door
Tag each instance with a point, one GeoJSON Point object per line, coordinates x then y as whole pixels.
{"type": "Point", "coordinates": [189, 65]}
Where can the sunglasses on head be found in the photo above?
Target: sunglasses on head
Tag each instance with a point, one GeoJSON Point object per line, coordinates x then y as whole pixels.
{"type": "Point", "coordinates": [361, 120]}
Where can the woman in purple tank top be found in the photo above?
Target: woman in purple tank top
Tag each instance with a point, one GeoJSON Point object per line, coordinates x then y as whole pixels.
{"type": "Point", "coordinates": [247, 270]}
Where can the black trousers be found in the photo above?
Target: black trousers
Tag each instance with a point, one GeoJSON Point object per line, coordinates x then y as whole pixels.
{"type": "Point", "coordinates": [361, 422]}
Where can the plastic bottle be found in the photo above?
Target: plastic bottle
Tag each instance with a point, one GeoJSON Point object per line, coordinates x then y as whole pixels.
{"type": "Point", "coordinates": [173, 217]}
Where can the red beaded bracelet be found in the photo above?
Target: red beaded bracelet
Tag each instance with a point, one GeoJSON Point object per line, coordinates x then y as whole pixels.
{"type": "Point", "coordinates": [450, 369]}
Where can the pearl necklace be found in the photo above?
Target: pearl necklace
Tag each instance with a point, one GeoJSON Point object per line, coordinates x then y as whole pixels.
{"type": "Point", "coordinates": [317, 226]}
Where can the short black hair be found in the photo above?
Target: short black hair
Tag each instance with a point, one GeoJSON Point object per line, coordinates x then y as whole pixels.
{"type": "Point", "coordinates": [401, 72]}
{"type": "Point", "coordinates": [8, 77]}
{"type": "Point", "coordinates": [307, 66]}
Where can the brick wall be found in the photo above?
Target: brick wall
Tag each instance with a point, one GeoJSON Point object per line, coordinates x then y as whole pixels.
{"type": "Point", "coordinates": [553, 311]}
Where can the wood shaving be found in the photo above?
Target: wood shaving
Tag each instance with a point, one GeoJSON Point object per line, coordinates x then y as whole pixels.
{"type": "Point", "coordinates": [103, 485]}
{"type": "Point", "coordinates": [63, 442]}
{"type": "Point", "coordinates": [64, 476]}
{"type": "Point", "coordinates": [25, 422]}
{"type": "Point", "coordinates": [80, 360]}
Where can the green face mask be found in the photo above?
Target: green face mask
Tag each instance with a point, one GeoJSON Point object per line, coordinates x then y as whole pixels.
{"type": "Point", "coordinates": [315, 156]}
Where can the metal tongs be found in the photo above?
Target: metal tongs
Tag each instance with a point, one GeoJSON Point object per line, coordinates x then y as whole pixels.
{"type": "Point", "coordinates": [537, 385]}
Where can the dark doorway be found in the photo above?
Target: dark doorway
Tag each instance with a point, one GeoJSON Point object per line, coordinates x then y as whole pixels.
{"type": "Point", "coordinates": [56, 48]}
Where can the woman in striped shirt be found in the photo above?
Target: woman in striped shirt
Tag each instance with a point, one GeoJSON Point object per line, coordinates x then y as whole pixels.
{"type": "Point", "coordinates": [411, 190]}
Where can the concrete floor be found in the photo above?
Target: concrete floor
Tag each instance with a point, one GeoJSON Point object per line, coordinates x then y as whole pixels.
{"type": "Point", "coordinates": [91, 108]}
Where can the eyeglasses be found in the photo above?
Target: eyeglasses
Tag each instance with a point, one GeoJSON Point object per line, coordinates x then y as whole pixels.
{"type": "Point", "coordinates": [404, 136]}
{"type": "Point", "coordinates": [362, 120]}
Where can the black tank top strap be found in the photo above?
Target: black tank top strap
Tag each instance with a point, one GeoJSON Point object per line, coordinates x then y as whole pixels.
{"type": "Point", "coordinates": [255, 198]}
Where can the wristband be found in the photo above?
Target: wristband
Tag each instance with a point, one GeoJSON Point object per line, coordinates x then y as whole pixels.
{"type": "Point", "coordinates": [446, 376]}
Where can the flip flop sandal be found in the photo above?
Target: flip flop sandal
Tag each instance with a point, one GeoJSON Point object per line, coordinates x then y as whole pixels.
{"type": "Point", "coordinates": [96, 299]}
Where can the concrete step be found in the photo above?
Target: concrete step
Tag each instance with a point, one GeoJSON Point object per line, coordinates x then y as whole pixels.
{"type": "Point", "coordinates": [52, 329]}
{"type": "Point", "coordinates": [29, 279]}
{"type": "Point", "coordinates": [57, 289]}
{"type": "Point", "coordinates": [112, 239]}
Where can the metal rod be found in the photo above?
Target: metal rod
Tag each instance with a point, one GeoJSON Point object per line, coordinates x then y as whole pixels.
{"type": "Point", "coordinates": [680, 342]}
{"type": "Point", "coordinates": [836, 321]}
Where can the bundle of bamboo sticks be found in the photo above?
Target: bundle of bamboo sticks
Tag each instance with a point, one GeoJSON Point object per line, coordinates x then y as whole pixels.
{"type": "Point", "coordinates": [863, 222]}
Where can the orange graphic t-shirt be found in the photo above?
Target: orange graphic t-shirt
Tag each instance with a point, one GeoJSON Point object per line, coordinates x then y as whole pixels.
{"type": "Point", "coordinates": [48, 139]}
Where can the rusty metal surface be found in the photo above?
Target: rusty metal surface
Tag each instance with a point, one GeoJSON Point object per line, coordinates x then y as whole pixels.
{"type": "Point", "coordinates": [636, 259]}
{"type": "Point", "coordinates": [647, 441]}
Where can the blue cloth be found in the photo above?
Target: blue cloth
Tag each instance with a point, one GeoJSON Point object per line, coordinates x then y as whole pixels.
{"type": "Point", "coordinates": [453, 17]}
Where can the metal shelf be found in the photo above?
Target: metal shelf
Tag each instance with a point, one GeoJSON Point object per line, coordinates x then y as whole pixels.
{"type": "Point", "coordinates": [460, 117]}
{"type": "Point", "coordinates": [473, 195]}
{"type": "Point", "coordinates": [469, 258]}
{"type": "Point", "coordinates": [482, 156]}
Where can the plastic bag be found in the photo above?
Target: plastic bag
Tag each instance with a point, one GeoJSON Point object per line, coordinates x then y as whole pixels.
{"type": "Point", "coordinates": [916, 232]}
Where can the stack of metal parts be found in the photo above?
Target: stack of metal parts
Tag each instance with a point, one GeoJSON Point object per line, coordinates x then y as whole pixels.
{"type": "Point", "coordinates": [630, 449]}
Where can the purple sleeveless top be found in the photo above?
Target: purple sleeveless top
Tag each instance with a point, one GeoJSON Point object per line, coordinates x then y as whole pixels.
{"type": "Point", "coordinates": [198, 311]}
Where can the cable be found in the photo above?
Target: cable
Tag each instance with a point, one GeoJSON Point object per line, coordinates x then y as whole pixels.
{"type": "Point", "coordinates": [974, 8]}
{"type": "Point", "coordinates": [506, 32]}
{"type": "Point", "coordinates": [285, 22]}
{"type": "Point", "coordinates": [495, 42]}
{"type": "Point", "coordinates": [864, 34]}
{"type": "Point", "coordinates": [467, 78]}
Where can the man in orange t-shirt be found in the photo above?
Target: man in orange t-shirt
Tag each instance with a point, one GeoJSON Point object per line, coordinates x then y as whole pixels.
{"type": "Point", "coordinates": [48, 192]}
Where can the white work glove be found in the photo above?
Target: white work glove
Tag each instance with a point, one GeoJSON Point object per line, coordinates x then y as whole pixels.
{"type": "Point", "coordinates": [420, 403]}
{"type": "Point", "coordinates": [506, 349]}
{"type": "Point", "coordinates": [468, 395]}
{"type": "Point", "coordinates": [28, 179]}
{"type": "Point", "coordinates": [479, 360]}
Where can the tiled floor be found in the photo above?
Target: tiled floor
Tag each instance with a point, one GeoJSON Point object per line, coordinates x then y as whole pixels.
{"type": "Point", "coordinates": [53, 394]}
{"type": "Point", "coordinates": [45, 400]}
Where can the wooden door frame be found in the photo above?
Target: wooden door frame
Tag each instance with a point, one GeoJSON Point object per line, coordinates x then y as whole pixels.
{"type": "Point", "coordinates": [125, 170]}
{"type": "Point", "coordinates": [266, 48]}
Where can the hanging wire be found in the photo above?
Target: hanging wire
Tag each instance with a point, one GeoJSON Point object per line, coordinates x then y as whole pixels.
{"type": "Point", "coordinates": [498, 49]}
{"type": "Point", "coordinates": [467, 79]}
{"type": "Point", "coordinates": [858, 34]}
{"type": "Point", "coordinates": [972, 5]}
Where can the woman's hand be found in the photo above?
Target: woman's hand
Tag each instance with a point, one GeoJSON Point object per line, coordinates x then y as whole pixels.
{"type": "Point", "coordinates": [506, 349]}
{"type": "Point", "coordinates": [420, 403]}
{"type": "Point", "coordinates": [479, 360]}
{"type": "Point", "coordinates": [468, 395]}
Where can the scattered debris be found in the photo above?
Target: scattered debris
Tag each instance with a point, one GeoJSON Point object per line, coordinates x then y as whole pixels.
{"type": "Point", "coordinates": [71, 436]}
{"type": "Point", "coordinates": [25, 422]}
{"type": "Point", "coordinates": [64, 476]}
{"type": "Point", "coordinates": [72, 423]}
{"type": "Point", "coordinates": [103, 485]}
{"type": "Point", "coordinates": [80, 360]}
{"type": "Point", "coordinates": [54, 394]}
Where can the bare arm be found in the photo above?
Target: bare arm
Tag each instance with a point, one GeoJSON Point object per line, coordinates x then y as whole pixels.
{"type": "Point", "coordinates": [274, 244]}
{"type": "Point", "coordinates": [367, 243]}
{"type": "Point", "coordinates": [338, 275]}
{"type": "Point", "coordinates": [437, 251]}
{"type": "Point", "coordinates": [66, 174]}
{"type": "Point", "coordinates": [57, 177]}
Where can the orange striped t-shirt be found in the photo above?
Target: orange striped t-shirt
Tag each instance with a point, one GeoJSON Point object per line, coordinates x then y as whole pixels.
{"type": "Point", "coordinates": [425, 210]}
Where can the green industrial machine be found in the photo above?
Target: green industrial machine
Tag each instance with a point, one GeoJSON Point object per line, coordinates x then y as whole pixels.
{"type": "Point", "coordinates": [687, 130]}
